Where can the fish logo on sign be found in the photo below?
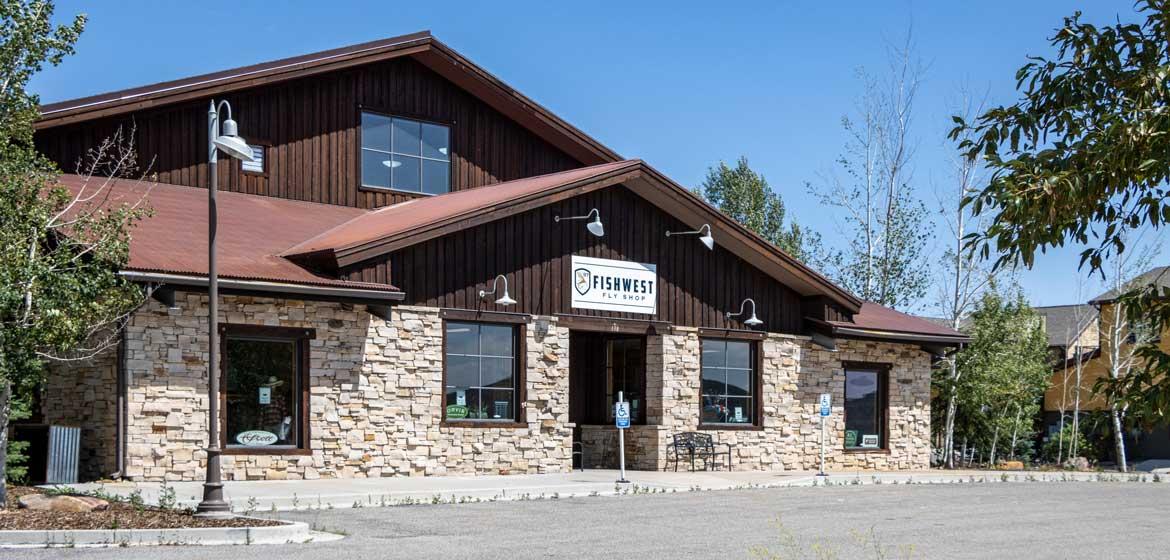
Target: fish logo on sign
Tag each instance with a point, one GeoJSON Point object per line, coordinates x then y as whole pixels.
{"type": "Point", "coordinates": [581, 280]}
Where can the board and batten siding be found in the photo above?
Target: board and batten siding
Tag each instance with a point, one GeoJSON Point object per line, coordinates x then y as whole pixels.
{"type": "Point", "coordinates": [695, 286]}
{"type": "Point", "coordinates": [311, 127]}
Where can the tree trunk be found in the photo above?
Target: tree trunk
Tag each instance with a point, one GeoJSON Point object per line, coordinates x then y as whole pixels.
{"type": "Point", "coordinates": [994, 442]}
{"type": "Point", "coordinates": [1016, 430]}
{"type": "Point", "coordinates": [5, 395]}
{"type": "Point", "coordinates": [949, 429]}
{"type": "Point", "coordinates": [1118, 438]}
{"type": "Point", "coordinates": [1074, 446]}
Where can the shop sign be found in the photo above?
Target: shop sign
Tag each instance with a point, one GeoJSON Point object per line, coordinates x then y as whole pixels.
{"type": "Point", "coordinates": [869, 440]}
{"type": "Point", "coordinates": [850, 438]}
{"type": "Point", "coordinates": [456, 411]}
{"type": "Point", "coordinates": [256, 438]}
{"type": "Point", "coordinates": [610, 285]}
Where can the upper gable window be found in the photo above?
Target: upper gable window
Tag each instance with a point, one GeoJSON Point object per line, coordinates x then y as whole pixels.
{"type": "Point", "coordinates": [405, 154]}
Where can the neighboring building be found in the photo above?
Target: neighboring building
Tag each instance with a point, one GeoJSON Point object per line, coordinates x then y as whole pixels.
{"type": "Point", "coordinates": [1094, 345]}
{"type": "Point", "coordinates": [395, 180]}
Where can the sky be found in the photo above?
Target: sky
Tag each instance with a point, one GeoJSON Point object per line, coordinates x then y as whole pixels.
{"type": "Point", "coordinates": [679, 84]}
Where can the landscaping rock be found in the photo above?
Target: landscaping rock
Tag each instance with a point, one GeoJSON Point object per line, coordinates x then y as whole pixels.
{"type": "Point", "coordinates": [1077, 464]}
{"type": "Point", "coordinates": [80, 504]}
{"type": "Point", "coordinates": [1012, 465]}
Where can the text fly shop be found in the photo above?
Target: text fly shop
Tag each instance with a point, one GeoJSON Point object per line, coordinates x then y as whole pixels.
{"type": "Point", "coordinates": [430, 274]}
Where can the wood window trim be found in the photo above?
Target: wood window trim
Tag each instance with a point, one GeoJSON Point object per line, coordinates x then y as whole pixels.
{"type": "Point", "coordinates": [519, 331]}
{"type": "Point", "coordinates": [757, 360]}
{"type": "Point", "coordinates": [477, 316]}
{"type": "Point", "coordinates": [450, 125]}
{"type": "Point", "coordinates": [302, 338]}
{"type": "Point", "coordinates": [883, 370]}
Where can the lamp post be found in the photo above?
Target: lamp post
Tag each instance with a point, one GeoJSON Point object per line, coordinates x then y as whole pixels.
{"type": "Point", "coordinates": [213, 504]}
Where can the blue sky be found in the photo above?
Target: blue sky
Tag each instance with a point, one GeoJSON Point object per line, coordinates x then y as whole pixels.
{"type": "Point", "coordinates": [679, 84]}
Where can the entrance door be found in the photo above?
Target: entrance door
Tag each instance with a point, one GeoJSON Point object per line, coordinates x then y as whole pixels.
{"type": "Point", "coordinates": [601, 365]}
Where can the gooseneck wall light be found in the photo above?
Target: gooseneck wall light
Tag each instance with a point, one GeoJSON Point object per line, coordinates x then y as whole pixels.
{"type": "Point", "coordinates": [704, 233]}
{"type": "Point", "coordinates": [505, 299]}
{"type": "Point", "coordinates": [594, 227]}
{"type": "Point", "coordinates": [227, 139]}
{"type": "Point", "coordinates": [752, 321]}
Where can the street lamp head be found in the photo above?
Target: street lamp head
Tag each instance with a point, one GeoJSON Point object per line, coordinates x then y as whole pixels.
{"type": "Point", "coordinates": [231, 143]}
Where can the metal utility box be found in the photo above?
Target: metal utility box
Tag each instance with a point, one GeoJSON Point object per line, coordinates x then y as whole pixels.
{"type": "Point", "coordinates": [52, 452]}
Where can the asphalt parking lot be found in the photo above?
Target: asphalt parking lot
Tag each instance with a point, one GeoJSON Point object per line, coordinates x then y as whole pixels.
{"type": "Point", "coordinates": [985, 520]}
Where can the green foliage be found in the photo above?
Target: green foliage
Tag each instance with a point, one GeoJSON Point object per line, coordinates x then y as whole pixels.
{"type": "Point", "coordinates": [1082, 157]}
{"type": "Point", "coordinates": [746, 197]}
{"type": "Point", "coordinates": [60, 251]}
{"type": "Point", "coordinates": [1086, 446]}
{"type": "Point", "coordinates": [1004, 372]}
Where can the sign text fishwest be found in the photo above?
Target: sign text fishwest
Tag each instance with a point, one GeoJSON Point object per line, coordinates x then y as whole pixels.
{"type": "Point", "coordinates": [610, 285]}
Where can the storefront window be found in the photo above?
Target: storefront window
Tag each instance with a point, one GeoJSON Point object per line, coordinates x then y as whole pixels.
{"type": "Point", "coordinates": [481, 372]}
{"type": "Point", "coordinates": [865, 407]}
{"type": "Point", "coordinates": [728, 382]}
{"type": "Point", "coordinates": [262, 387]}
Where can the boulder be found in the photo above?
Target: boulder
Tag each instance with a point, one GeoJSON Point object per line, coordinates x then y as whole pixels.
{"type": "Point", "coordinates": [1012, 465]}
{"type": "Point", "coordinates": [79, 504]}
{"type": "Point", "coordinates": [1077, 464]}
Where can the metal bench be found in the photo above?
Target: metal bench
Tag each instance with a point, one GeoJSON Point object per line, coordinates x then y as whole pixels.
{"type": "Point", "coordinates": [700, 446]}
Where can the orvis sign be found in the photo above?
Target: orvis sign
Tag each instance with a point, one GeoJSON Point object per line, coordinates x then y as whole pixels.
{"type": "Point", "coordinates": [611, 285]}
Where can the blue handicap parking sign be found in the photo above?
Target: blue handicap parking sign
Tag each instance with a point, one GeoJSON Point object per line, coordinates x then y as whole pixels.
{"type": "Point", "coordinates": [621, 414]}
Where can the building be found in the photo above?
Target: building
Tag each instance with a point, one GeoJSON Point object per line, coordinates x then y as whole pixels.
{"type": "Point", "coordinates": [367, 330]}
{"type": "Point", "coordinates": [1087, 338]}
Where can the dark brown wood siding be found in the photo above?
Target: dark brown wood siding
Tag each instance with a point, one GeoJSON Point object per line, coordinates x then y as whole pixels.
{"type": "Point", "coordinates": [311, 127]}
{"type": "Point", "coordinates": [696, 286]}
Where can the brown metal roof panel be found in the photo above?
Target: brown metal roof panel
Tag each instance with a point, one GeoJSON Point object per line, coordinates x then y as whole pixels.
{"type": "Point", "coordinates": [419, 213]}
{"type": "Point", "coordinates": [253, 230]}
{"type": "Point", "coordinates": [878, 317]}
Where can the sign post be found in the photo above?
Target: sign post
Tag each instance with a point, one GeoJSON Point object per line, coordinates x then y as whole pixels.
{"type": "Point", "coordinates": [826, 409]}
{"type": "Point", "coordinates": [621, 419]}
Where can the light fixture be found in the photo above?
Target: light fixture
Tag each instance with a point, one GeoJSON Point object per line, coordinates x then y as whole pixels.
{"type": "Point", "coordinates": [594, 227]}
{"type": "Point", "coordinates": [704, 232]}
{"type": "Point", "coordinates": [752, 321]}
{"type": "Point", "coordinates": [222, 136]}
{"type": "Point", "coordinates": [505, 299]}
{"type": "Point", "coordinates": [392, 163]}
{"type": "Point", "coordinates": [229, 141]}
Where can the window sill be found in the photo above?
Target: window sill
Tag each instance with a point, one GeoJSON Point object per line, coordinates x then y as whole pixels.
{"type": "Point", "coordinates": [482, 424]}
{"type": "Point", "coordinates": [740, 427]}
{"type": "Point", "coordinates": [398, 191]}
{"type": "Point", "coordinates": [265, 451]}
{"type": "Point", "coordinates": [863, 450]}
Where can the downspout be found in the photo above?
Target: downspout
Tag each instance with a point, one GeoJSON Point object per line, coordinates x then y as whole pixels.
{"type": "Point", "coordinates": [121, 407]}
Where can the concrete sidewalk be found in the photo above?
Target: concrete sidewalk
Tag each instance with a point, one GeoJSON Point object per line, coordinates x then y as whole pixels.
{"type": "Point", "coordinates": [289, 495]}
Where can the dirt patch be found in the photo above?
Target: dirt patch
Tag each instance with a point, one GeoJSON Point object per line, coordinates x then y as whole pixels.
{"type": "Point", "coordinates": [120, 515]}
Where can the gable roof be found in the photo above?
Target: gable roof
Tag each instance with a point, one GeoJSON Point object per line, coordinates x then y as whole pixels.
{"type": "Point", "coordinates": [394, 227]}
{"type": "Point", "coordinates": [252, 232]}
{"type": "Point", "coordinates": [1064, 323]}
{"type": "Point", "coordinates": [1158, 277]}
{"type": "Point", "coordinates": [420, 46]}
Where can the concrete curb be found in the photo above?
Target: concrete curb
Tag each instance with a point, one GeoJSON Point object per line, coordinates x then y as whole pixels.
{"type": "Point", "coordinates": [291, 532]}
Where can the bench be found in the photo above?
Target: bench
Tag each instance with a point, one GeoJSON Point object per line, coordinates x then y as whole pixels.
{"type": "Point", "coordinates": [695, 445]}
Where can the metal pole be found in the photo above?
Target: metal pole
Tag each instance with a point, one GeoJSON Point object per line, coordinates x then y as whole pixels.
{"type": "Point", "coordinates": [622, 446]}
{"type": "Point", "coordinates": [213, 504]}
{"type": "Point", "coordinates": [822, 473]}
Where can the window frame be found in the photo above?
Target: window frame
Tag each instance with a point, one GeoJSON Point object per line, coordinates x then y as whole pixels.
{"type": "Point", "coordinates": [264, 149]}
{"type": "Point", "coordinates": [755, 343]}
{"type": "Point", "coordinates": [301, 336]}
{"type": "Point", "coordinates": [519, 326]}
{"type": "Point", "coordinates": [449, 125]}
{"type": "Point", "coordinates": [883, 392]}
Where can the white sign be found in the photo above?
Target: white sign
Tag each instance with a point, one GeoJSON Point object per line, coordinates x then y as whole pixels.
{"type": "Point", "coordinates": [825, 404]}
{"type": "Point", "coordinates": [621, 414]}
{"type": "Point", "coordinates": [869, 440]}
{"type": "Point", "coordinates": [256, 438]}
{"type": "Point", "coordinates": [610, 285]}
{"type": "Point", "coordinates": [739, 414]}
{"type": "Point", "coordinates": [460, 397]}
{"type": "Point", "coordinates": [266, 395]}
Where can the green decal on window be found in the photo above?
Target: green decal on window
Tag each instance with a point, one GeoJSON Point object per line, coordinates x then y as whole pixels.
{"type": "Point", "coordinates": [456, 411]}
{"type": "Point", "coordinates": [850, 438]}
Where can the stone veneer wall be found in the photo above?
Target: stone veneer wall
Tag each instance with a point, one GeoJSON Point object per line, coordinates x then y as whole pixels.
{"type": "Point", "coordinates": [376, 397]}
{"type": "Point", "coordinates": [85, 394]}
{"type": "Point", "coordinates": [375, 394]}
{"type": "Point", "coordinates": [795, 373]}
